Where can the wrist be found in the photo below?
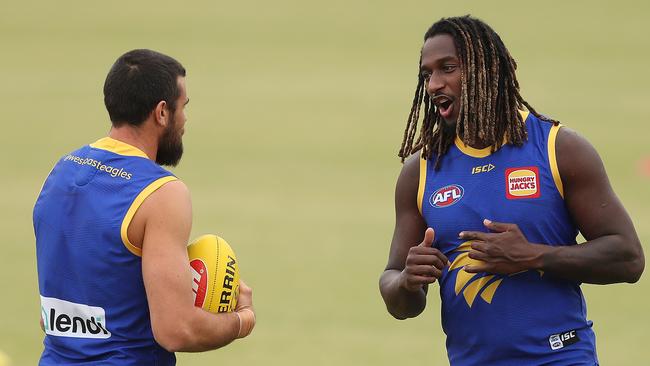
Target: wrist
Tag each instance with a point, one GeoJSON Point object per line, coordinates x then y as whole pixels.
{"type": "Point", "coordinates": [403, 285]}
{"type": "Point", "coordinates": [538, 257]}
{"type": "Point", "coordinates": [246, 322]}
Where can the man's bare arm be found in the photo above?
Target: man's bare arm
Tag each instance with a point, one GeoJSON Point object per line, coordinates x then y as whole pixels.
{"type": "Point", "coordinates": [612, 252]}
{"type": "Point", "coordinates": [177, 324]}
{"type": "Point", "coordinates": [413, 263]}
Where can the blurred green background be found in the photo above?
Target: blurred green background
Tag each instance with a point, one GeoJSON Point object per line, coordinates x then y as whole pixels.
{"type": "Point", "coordinates": [297, 112]}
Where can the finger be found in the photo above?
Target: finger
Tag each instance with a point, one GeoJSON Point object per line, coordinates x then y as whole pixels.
{"type": "Point", "coordinates": [431, 259]}
{"type": "Point", "coordinates": [478, 255]}
{"type": "Point", "coordinates": [245, 299]}
{"type": "Point", "coordinates": [424, 270]}
{"type": "Point", "coordinates": [243, 287]}
{"type": "Point", "coordinates": [477, 268]}
{"type": "Point", "coordinates": [469, 235]}
{"type": "Point", "coordinates": [420, 280]}
{"type": "Point", "coordinates": [426, 251]}
{"type": "Point", "coordinates": [418, 250]}
{"type": "Point", "coordinates": [443, 258]}
{"type": "Point", "coordinates": [429, 235]}
{"type": "Point", "coordinates": [480, 246]}
{"type": "Point", "coordinates": [498, 227]}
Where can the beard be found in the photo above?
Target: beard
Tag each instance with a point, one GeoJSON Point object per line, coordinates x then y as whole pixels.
{"type": "Point", "coordinates": [170, 146]}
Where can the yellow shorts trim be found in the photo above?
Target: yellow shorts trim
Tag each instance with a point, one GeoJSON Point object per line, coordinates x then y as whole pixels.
{"type": "Point", "coordinates": [134, 208]}
{"type": "Point", "coordinates": [552, 159]}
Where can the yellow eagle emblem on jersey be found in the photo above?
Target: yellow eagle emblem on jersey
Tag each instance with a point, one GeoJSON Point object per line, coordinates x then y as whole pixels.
{"type": "Point", "coordinates": [471, 284]}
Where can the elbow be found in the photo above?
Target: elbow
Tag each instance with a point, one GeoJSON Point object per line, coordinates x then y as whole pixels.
{"type": "Point", "coordinates": [398, 315]}
{"type": "Point", "coordinates": [173, 339]}
{"type": "Point", "coordinates": [401, 304]}
{"type": "Point", "coordinates": [396, 311]}
{"type": "Point", "coordinates": [402, 310]}
{"type": "Point", "coordinates": [635, 266]}
{"type": "Point", "coordinates": [395, 307]}
{"type": "Point", "coordinates": [635, 269]}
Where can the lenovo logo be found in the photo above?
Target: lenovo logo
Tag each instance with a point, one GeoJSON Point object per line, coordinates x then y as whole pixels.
{"type": "Point", "coordinates": [68, 319]}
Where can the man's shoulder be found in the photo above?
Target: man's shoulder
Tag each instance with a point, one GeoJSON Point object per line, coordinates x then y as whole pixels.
{"type": "Point", "coordinates": [540, 119]}
{"type": "Point", "coordinates": [171, 190]}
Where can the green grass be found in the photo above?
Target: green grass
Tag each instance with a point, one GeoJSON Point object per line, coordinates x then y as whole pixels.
{"type": "Point", "coordinates": [297, 111]}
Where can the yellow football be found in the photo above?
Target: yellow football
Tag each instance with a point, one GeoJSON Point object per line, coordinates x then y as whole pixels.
{"type": "Point", "coordinates": [215, 274]}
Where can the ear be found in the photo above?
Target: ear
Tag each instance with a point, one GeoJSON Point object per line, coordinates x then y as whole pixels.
{"type": "Point", "coordinates": [161, 113]}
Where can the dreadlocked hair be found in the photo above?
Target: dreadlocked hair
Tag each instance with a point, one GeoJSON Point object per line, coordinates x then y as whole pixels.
{"type": "Point", "coordinates": [489, 101]}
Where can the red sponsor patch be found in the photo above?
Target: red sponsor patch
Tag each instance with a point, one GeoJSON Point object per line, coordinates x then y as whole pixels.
{"type": "Point", "coordinates": [522, 182]}
{"type": "Point", "coordinates": [446, 196]}
{"type": "Point", "coordinates": [199, 281]}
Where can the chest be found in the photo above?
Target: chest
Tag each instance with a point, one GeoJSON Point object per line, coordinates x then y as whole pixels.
{"type": "Point", "coordinates": [512, 185]}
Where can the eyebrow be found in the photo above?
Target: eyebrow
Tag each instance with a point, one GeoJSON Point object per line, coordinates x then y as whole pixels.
{"type": "Point", "coordinates": [187, 101]}
{"type": "Point", "coordinates": [443, 59]}
{"type": "Point", "coordinates": [448, 58]}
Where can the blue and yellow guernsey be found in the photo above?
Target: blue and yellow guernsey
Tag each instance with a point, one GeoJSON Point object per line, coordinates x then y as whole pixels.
{"type": "Point", "coordinates": [527, 318]}
{"type": "Point", "coordinates": [93, 301]}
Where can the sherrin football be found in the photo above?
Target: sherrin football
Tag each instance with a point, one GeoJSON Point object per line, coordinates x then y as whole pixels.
{"type": "Point", "coordinates": [215, 274]}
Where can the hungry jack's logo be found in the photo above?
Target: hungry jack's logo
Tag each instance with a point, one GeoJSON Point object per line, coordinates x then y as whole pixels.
{"type": "Point", "coordinates": [446, 196]}
{"type": "Point", "coordinates": [522, 182]}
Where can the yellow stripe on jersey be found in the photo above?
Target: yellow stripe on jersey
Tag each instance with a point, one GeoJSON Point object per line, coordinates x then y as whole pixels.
{"type": "Point", "coordinates": [422, 183]}
{"type": "Point", "coordinates": [134, 208]}
{"type": "Point", "coordinates": [482, 153]}
{"type": "Point", "coordinates": [118, 147]}
{"type": "Point", "coordinates": [462, 278]}
{"type": "Point", "coordinates": [489, 291]}
{"type": "Point", "coordinates": [474, 287]}
{"type": "Point", "coordinates": [552, 159]}
{"type": "Point", "coordinates": [468, 150]}
{"type": "Point", "coordinates": [524, 115]}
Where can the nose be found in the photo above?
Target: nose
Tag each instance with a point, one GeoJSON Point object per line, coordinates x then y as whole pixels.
{"type": "Point", "coordinates": [435, 83]}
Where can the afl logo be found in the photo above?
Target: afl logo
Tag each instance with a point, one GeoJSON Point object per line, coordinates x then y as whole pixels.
{"type": "Point", "coordinates": [446, 196]}
{"type": "Point", "coordinates": [199, 281]}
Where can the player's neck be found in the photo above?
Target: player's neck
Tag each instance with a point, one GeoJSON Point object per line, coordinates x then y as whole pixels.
{"type": "Point", "coordinates": [478, 145]}
{"type": "Point", "coordinates": [137, 136]}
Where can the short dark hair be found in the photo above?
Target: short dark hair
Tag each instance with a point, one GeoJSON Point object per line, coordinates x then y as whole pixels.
{"type": "Point", "coordinates": [137, 82]}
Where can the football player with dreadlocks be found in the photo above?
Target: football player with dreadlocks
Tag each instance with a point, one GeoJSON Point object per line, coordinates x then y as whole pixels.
{"type": "Point", "coordinates": [489, 202]}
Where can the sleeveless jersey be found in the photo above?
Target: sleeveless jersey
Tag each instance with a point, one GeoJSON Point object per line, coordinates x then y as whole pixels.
{"type": "Point", "coordinates": [93, 301]}
{"type": "Point", "coordinates": [527, 318]}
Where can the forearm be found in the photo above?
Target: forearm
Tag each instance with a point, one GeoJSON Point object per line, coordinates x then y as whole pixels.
{"type": "Point", "coordinates": [198, 331]}
{"type": "Point", "coordinates": [401, 303]}
{"type": "Point", "coordinates": [211, 331]}
{"type": "Point", "coordinates": [608, 259]}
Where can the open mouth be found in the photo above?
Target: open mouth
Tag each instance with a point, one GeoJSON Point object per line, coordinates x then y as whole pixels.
{"type": "Point", "coordinates": [444, 104]}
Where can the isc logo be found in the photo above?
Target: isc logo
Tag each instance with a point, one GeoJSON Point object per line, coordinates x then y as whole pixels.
{"type": "Point", "coordinates": [482, 168]}
{"type": "Point", "coordinates": [558, 341]}
{"type": "Point", "coordinates": [446, 196]}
